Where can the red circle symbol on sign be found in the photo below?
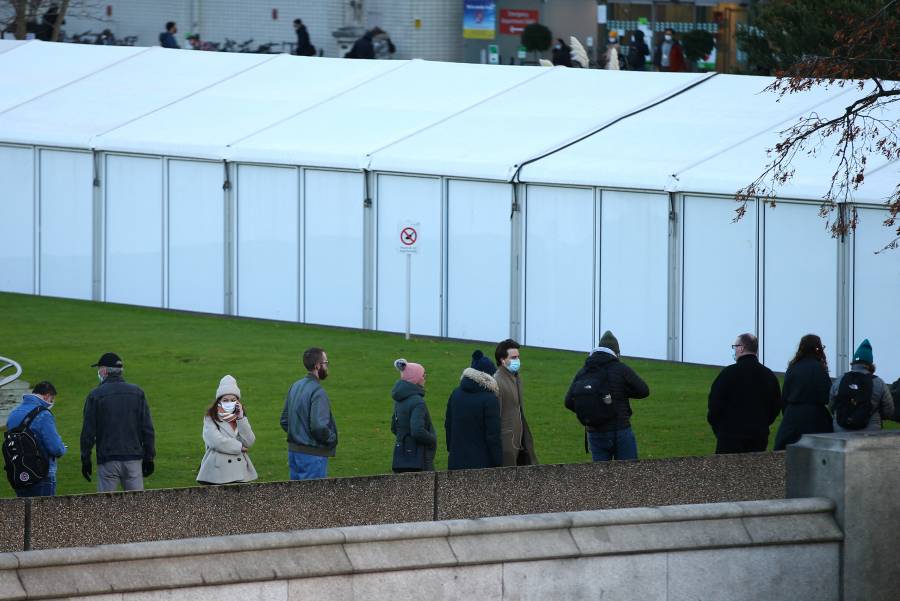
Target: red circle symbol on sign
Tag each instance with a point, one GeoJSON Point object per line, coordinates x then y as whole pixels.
{"type": "Point", "coordinates": [408, 236]}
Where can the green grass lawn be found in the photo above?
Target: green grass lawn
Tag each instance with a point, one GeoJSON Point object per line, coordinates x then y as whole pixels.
{"type": "Point", "coordinates": [178, 358]}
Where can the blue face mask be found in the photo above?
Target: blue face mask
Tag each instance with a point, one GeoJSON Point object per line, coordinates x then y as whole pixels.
{"type": "Point", "coordinates": [514, 365]}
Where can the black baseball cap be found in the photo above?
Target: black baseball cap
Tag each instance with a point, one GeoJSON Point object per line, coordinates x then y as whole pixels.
{"type": "Point", "coordinates": [109, 360]}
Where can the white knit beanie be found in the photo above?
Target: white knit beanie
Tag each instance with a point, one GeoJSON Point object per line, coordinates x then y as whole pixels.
{"type": "Point", "coordinates": [228, 385]}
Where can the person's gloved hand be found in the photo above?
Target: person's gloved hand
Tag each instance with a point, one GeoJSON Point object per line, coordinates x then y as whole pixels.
{"type": "Point", "coordinates": [147, 467]}
{"type": "Point", "coordinates": [86, 470]}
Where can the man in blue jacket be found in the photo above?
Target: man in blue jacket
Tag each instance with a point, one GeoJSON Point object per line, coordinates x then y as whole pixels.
{"type": "Point", "coordinates": [311, 432]}
{"type": "Point", "coordinates": [43, 426]}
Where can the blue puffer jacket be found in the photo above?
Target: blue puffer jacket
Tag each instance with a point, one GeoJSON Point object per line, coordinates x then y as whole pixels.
{"type": "Point", "coordinates": [43, 426]}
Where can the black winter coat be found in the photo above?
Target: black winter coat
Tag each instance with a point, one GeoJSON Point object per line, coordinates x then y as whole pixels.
{"type": "Point", "coordinates": [805, 401]}
{"type": "Point", "coordinates": [117, 419]}
{"type": "Point", "coordinates": [472, 423]}
{"type": "Point", "coordinates": [363, 47]}
{"type": "Point", "coordinates": [624, 384]}
{"type": "Point", "coordinates": [744, 399]}
{"type": "Point", "coordinates": [411, 418]}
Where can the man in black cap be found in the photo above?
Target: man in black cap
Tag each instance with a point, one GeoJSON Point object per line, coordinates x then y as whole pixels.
{"type": "Point", "coordinates": [117, 419]}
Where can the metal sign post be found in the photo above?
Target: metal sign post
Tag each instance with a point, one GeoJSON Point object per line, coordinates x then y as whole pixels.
{"type": "Point", "coordinates": [409, 238]}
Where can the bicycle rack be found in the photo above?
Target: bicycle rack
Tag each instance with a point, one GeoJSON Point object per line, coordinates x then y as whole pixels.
{"type": "Point", "coordinates": [5, 364]}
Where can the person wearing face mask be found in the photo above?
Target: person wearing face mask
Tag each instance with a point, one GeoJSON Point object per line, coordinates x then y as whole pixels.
{"type": "Point", "coordinates": [561, 54]}
{"type": "Point", "coordinates": [744, 400]}
{"type": "Point", "coordinates": [637, 51]}
{"type": "Point", "coordinates": [668, 55]}
{"type": "Point", "coordinates": [613, 59]}
{"type": "Point", "coordinates": [311, 432]}
{"type": "Point", "coordinates": [117, 419]}
{"type": "Point", "coordinates": [227, 436]}
{"type": "Point", "coordinates": [415, 441]}
{"type": "Point", "coordinates": [518, 446]}
{"type": "Point", "coordinates": [38, 405]}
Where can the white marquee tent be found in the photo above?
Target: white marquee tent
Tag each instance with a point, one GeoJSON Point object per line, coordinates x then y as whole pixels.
{"type": "Point", "coordinates": [551, 203]}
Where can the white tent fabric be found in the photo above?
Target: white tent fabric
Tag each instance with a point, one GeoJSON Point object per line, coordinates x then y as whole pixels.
{"type": "Point", "coordinates": [30, 69]}
{"type": "Point", "coordinates": [652, 131]}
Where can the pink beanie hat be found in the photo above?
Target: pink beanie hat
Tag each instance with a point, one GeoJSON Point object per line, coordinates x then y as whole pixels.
{"type": "Point", "coordinates": [410, 372]}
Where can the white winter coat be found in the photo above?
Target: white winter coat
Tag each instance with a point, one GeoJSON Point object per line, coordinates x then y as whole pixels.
{"type": "Point", "coordinates": [224, 462]}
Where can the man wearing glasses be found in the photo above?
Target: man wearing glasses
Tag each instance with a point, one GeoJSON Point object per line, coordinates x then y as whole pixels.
{"type": "Point", "coordinates": [307, 419]}
{"type": "Point", "coordinates": [744, 400]}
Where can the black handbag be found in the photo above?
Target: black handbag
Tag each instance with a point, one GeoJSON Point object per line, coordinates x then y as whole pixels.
{"type": "Point", "coordinates": [409, 456]}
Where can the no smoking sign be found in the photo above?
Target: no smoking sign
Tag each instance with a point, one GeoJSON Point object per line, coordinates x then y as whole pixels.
{"type": "Point", "coordinates": [409, 237]}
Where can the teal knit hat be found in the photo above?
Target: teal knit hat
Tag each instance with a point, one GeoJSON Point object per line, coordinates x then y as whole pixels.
{"type": "Point", "coordinates": [864, 352]}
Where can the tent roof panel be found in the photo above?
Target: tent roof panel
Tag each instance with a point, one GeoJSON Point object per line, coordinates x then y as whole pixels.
{"type": "Point", "coordinates": [35, 68]}
{"type": "Point", "coordinates": [343, 131]}
{"type": "Point", "coordinates": [492, 139]}
{"type": "Point", "coordinates": [74, 114]}
{"type": "Point", "coordinates": [203, 124]}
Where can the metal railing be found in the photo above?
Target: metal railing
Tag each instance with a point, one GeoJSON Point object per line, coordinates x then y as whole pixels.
{"type": "Point", "coordinates": [5, 364]}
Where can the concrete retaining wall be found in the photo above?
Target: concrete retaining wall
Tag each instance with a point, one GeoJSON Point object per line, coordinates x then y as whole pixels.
{"type": "Point", "coordinates": [774, 550]}
{"type": "Point", "coordinates": [87, 520]}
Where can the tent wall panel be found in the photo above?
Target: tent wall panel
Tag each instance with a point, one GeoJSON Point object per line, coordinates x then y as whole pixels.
{"type": "Point", "coordinates": [333, 202]}
{"type": "Point", "coordinates": [17, 219]}
{"type": "Point", "coordinates": [800, 289]}
{"type": "Point", "coordinates": [876, 288]}
{"type": "Point", "coordinates": [634, 271]}
{"type": "Point", "coordinates": [134, 231]}
{"type": "Point", "coordinates": [719, 271]}
{"type": "Point", "coordinates": [196, 236]}
{"type": "Point", "coordinates": [267, 242]}
{"type": "Point", "coordinates": [478, 290]}
{"type": "Point", "coordinates": [409, 200]}
{"type": "Point", "coordinates": [559, 268]}
{"type": "Point", "coordinates": [66, 224]}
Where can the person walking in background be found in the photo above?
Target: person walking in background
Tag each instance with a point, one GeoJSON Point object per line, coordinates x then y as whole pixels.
{"type": "Point", "coordinates": [744, 400]}
{"type": "Point", "coordinates": [518, 446]}
{"type": "Point", "coordinates": [37, 406]}
{"type": "Point", "coordinates": [117, 418]}
{"type": "Point", "coordinates": [637, 51]}
{"type": "Point", "coordinates": [668, 55]}
{"type": "Point", "coordinates": [613, 59]}
{"type": "Point", "coordinates": [363, 47]}
{"type": "Point", "coordinates": [307, 418]}
{"type": "Point", "coordinates": [228, 436]}
{"type": "Point", "coordinates": [859, 399]}
{"type": "Point", "coordinates": [415, 440]}
{"type": "Point", "coordinates": [561, 56]}
{"type": "Point", "coordinates": [805, 394]}
{"type": "Point", "coordinates": [472, 421]}
{"type": "Point", "coordinates": [382, 45]}
{"type": "Point", "coordinates": [599, 395]}
{"type": "Point", "coordinates": [304, 46]}
{"type": "Point", "coordinates": [167, 38]}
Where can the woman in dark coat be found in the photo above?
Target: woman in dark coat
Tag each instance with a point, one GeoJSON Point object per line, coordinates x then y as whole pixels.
{"type": "Point", "coordinates": [411, 418]}
{"type": "Point", "coordinates": [805, 394]}
{"type": "Point", "coordinates": [472, 423]}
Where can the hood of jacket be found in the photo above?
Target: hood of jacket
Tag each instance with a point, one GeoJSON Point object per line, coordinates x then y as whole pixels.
{"type": "Point", "coordinates": [402, 390]}
{"type": "Point", "coordinates": [599, 359]}
{"type": "Point", "coordinates": [35, 401]}
{"type": "Point", "coordinates": [473, 380]}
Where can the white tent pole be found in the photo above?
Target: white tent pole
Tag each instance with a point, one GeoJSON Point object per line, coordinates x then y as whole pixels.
{"type": "Point", "coordinates": [675, 273]}
{"type": "Point", "coordinates": [98, 160]}
{"type": "Point", "coordinates": [370, 243]}
{"type": "Point", "coordinates": [845, 283]}
{"type": "Point", "coordinates": [230, 250]}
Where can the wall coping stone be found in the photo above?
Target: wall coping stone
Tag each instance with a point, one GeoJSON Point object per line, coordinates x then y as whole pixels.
{"type": "Point", "coordinates": [359, 549]}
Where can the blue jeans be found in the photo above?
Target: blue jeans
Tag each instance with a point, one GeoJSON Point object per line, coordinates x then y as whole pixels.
{"type": "Point", "coordinates": [307, 467]}
{"type": "Point", "coordinates": [618, 444]}
{"type": "Point", "coordinates": [44, 488]}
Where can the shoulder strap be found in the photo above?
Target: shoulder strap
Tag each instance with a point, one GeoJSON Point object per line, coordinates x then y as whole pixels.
{"type": "Point", "coordinates": [26, 423]}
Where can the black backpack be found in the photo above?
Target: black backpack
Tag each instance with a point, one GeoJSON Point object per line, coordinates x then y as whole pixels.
{"type": "Point", "coordinates": [853, 402]}
{"type": "Point", "coordinates": [23, 457]}
{"type": "Point", "coordinates": [591, 399]}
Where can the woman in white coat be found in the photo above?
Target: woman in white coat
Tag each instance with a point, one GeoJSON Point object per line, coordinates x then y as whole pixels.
{"type": "Point", "coordinates": [227, 434]}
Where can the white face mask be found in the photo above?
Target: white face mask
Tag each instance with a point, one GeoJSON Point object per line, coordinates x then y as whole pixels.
{"type": "Point", "coordinates": [100, 377]}
{"type": "Point", "coordinates": [612, 40]}
{"type": "Point", "coordinates": [668, 38]}
{"type": "Point", "coordinates": [228, 406]}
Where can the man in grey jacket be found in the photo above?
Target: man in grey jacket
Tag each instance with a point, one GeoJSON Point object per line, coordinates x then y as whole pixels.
{"type": "Point", "coordinates": [307, 419]}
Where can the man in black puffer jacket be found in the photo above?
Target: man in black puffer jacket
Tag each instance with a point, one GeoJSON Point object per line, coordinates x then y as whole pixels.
{"type": "Point", "coordinates": [744, 400]}
{"type": "Point", "coordinates": [472, 420]}
{"type": "Point", "coordinates": [614, 439]}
